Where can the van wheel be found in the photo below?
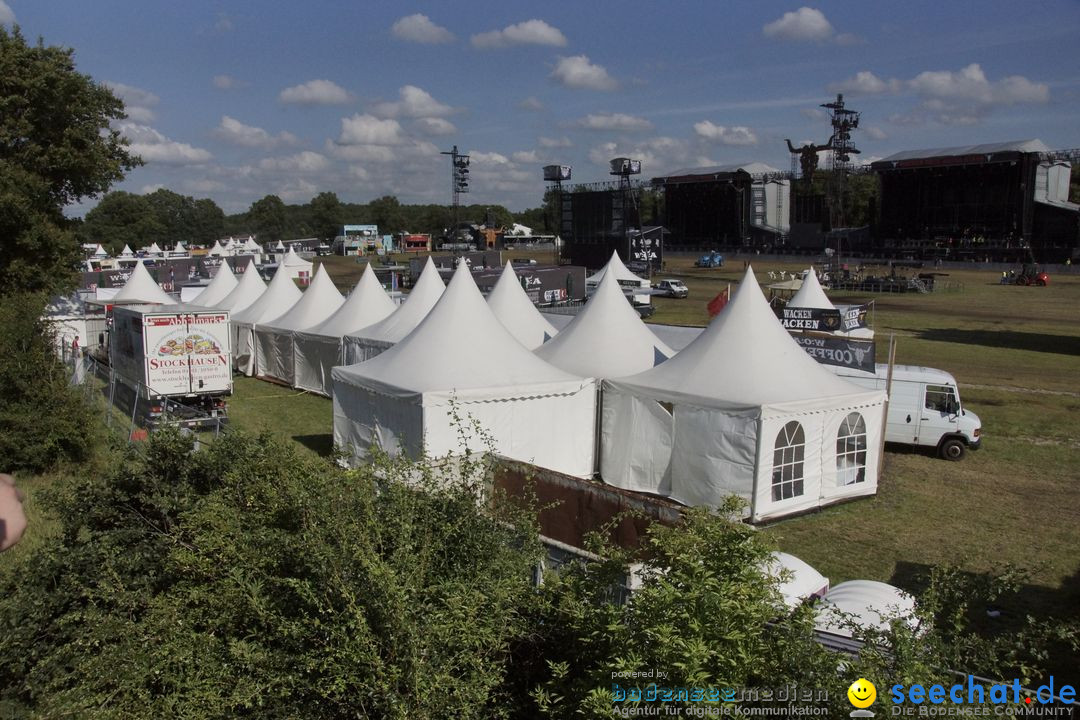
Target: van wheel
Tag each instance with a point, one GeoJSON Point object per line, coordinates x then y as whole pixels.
{"type": "Point", "coordinates": [952, 449]}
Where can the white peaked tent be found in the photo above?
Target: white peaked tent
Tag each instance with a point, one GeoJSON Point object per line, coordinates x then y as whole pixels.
{"type": "Point", "coordinates": [368, 342]}
{"type": "Point", "coordinates": [319, 349]}
{"type": "Point", "coordinates": [606, 339]}
{"type": "Point", "coordinates": [866, 603]}
{"type": "Point", "coordinates": [126, 253]}
{"type": "Point", "coordinates": [99, 252]}
{"type": "Point", "coordinates": [179, 249]}
{"type": "Point", "coordinates": [280, 247]}
{"type": "Point", "coordinates": [249, 289]}
{"type": "Point", "coordinates": [517, 313]}
{"type": "Point", "coordinates": [141, 287]}
{"type": "Point", "coordinates": [810, 294]}
{"type": "Point", "coordinates": [742, 410]}
{"type": "Point", "coordinates": [153, 249]}
{"type": "Point", "coordinates": [217, 250]}
{"type": "Point", "coordinates": [295, 266]}
{"type": "Point", "coordinates": [281, 294]}
{"type": "Point", "coordinates": [460, 361]}
{"type": "Point", "coordinates": [616, 267]}
{"type": "Point", "coordinates": [251, 246]}
{"type": "Point", "coordinates": [224, 282]}
{"type": "Point", "coordinates": [274, 357]}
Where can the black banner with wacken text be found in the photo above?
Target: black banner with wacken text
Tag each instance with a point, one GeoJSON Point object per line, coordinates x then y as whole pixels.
{"type": "Point", "coordinates": [856, 354]}
{"type": "Point", "coordinates": [820, 320]}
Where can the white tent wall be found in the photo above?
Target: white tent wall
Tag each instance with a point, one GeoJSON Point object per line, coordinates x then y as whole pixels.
{"type": "Point", "coordinates": [553, 431]}
{"type": "Point", "coordinates": [357, 349]}
{"type": "Point", "coordinates": [315, 358]}
{"type": "Point", "coordinates": [274, 356]}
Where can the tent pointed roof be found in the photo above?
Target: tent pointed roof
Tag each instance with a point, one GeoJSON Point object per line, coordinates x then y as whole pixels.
{"type": "Point", "coordinates": [744, 358]}
{"type": "Point", "coordinates": [617, 268]}
{"type": "Point", "coordinates": [280, 247]}
{"type": "Point", "coordinates": [143, 288]}
{"type": "Point", "coordinates": [460, 345]}
{"type": "Point", "coordinates": [247, 291]}
{"type": "Point", "coordinates": [281, 294]}
{"type": "Point", "coordinates": [180, 247]}
{"type": "Point", "coordinates": [126, 252]}
{"type": "Point", "coordinates": [291, 259]}
{"type": "Point", "coordinates": [224, 282]}
{"type": "Point", "coordinates": [606, 339]}
{"type": "Point", "coordinates": [427, 291]}
{"type": "Point", "coordinates": [99, 252]}
{"type": "Point", "coordinates": [217, 250]}
{"type": "Point", "coordinates": [810, 295]}
{"type": "Point", "coordinates": [517, 313]}
{"type": "Point", "coordinates": [318, 302]}
{"type": "Point", "coordinates": [251, 245]}
{"type": "Point", "coordinates": [153, 249]}
{"type": "Point", "coordinates": [366, 305]}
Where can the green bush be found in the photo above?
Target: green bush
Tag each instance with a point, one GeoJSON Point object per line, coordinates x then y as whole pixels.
{"type": "Point", "coordinates": [44, 421]}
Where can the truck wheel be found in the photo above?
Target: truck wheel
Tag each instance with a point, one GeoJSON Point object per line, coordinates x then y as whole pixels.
{"type": "Point", "coordinates": [952, 449]}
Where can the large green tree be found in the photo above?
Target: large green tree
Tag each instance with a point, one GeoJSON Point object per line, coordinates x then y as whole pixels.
{"type": "Point", "coordinates": [57, 147]}
{"type": "Point", "coordinates": [121, 218]}
{"type": "Point", "coordinates": [267, 218]}
{"type": "Point", "coordinates": [326, 215]}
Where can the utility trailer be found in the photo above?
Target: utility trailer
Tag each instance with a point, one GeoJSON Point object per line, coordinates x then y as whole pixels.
{"type": "Point", "coordinates": [176, 360]}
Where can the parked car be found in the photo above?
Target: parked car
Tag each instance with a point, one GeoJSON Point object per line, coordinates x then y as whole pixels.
{"type": "Point", "coordinates": [672, 288]}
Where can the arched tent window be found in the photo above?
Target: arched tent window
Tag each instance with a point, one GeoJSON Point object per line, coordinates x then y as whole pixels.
{"type": "Point", "coordinates": [851, 450]}
{"type": "Point", "coordinates": [787, 474]}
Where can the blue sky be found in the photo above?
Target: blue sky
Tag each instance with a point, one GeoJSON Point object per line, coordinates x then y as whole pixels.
{"type": "Point", "coordinates": [236, 100]}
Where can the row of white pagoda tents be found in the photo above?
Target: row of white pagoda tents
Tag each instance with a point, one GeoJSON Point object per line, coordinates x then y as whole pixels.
{"type": "Point", "coordinates": [741, 409]}
{"type": "Point", "coordinates": [229, 248]}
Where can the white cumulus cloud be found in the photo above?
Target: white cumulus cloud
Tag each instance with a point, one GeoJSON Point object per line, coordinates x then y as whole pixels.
{"type": "Point", "coordinates": [153, 147]}
{"type": "Point", "coordinates": [531, 103]}
{"type": "Point", "coordinates": [530, 32]}
{"type": "Point", "coordinates": [866, 83]}
{"type": "Point", "coordinates": [414, 102]}
{"type": "Point", "coordinates": [233, 131]}
{"type": "Point", "coordinates": [435, 126]}
{"type": "Point", "coordinates": [303, 162]}
{"type": "Point", "coordinates": [418, 28]}
{"type": "Point", "coordinates": [7, 17]}
{"type": "Point", "coordinates": [614, 122]}
{"type": "Point", "coordinates": [139, 104]}
{"type": "Point", "coordinates": [315, 92]}
{"type": "Point", "coordinates": [806, 24]}
{"type": "Point", "coordinates": [970, 83]}
{"type": "Point", "coordinates": [578, 72]}
{"type": "Point", "coordinates": [369, 130]}
{"type": "Point", "coordinates": [561, 142]}
{"type": "Point", "coordinates": [225, 82]}
{"type": "Point", "coordinates": [525, 156]}
{"type": "Point", "coordinates": [736, 135]}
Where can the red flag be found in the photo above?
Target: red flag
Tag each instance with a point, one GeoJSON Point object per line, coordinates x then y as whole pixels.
{"type": "Point", "coordinates": [717, 303]}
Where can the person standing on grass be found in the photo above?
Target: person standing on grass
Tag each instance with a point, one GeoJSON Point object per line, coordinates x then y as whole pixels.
{"type": "Point", "coordinates": [12, 516]}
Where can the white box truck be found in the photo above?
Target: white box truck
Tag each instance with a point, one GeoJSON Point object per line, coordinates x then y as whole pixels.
{"type": "Point", "coordinates": [177, 359]}
{"type": "Point", "coordinates": [924, 408]}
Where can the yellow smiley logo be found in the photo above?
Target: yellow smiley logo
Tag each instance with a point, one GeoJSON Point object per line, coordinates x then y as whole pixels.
{"type": "Point", "coordinates": [862, 693]}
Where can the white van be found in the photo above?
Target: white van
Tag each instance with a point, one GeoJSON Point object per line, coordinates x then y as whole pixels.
{"type": "Point", "coordinates": [924, 408]}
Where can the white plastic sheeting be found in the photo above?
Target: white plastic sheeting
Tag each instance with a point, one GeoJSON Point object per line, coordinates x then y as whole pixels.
{"type": "Point", "coordinates": [706, 423]}
{"type": "Point", "coordinates": [274, 356]}
{"type": "Point", "coordinates": [799, 581]}
{"type": "Point", "coordinates": [374, 339]}
{"type": "Point", "coordinates": [280, 295]}
{"type": "Point", "coordinates": [865, 603]}
{"type": "Point", "coordinates": [606, 339]}
{"type": "Point", "coordinates": [223, 283]}
{"type": "Point", "coordinates": [319, 349]}
{"type": "Point", "coordinates": [517, 313]}
{"type": "Point", "coordinates": [249, 289]}
{"type": "Point", "coordinates": [141, 287]}
{"type": "Point", "coordinates": [460, 366]}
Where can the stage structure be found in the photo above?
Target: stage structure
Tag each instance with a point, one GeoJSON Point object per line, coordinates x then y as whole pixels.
{"type": "Point", "coordinates": [727, 206]}
{"type": "Point", "coordinates": [1005, 202]}
{"type": "Point", "coordinates": [598, 218]}
{"type": "Point", "coordinates": [556, 175]}
{"type": "Point", "coordinates": [459, 183]}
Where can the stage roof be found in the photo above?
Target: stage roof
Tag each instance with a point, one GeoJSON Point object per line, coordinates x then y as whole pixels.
{"type": "Point", "coordinates": [704, 174]}
{"type": "Point", "coordinates": [965, 154]}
